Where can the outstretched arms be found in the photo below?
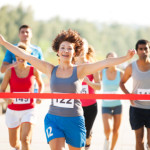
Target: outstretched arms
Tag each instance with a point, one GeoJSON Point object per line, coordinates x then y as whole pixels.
{"type": "Point", "coordinates": [41, 65]}
{"type": "Point", "coordinates": [91, 68]}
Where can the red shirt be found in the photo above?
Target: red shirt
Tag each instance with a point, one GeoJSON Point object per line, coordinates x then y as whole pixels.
{"type": "Point", "coordinates": [88, 90]}
{"type": "Point", "coordinates": [22, 85]}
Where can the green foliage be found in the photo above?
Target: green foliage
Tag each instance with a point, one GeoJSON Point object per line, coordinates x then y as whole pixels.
{"type": "Point", "coordinates": [103, 37]}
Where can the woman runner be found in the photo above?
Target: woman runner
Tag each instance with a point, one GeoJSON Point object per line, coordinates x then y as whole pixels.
{"type": "Point", "coordinates": [65, 121]}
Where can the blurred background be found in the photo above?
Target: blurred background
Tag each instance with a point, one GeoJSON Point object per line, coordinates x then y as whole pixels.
{"type": "Point", "coordinates": [107, 25]}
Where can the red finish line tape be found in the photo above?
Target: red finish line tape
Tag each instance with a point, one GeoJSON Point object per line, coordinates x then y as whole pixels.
{"type": "Point", "coordinates": [76, 96]}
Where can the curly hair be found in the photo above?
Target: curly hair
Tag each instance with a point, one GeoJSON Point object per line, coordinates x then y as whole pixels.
{"type": "Point", "coordinates": [69, 36]}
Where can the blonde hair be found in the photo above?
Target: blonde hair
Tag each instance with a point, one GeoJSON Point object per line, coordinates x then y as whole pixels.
{"type": "Point", "coordinates": [90, 55]}
{"type": "Point", "coordinates": [111, 53]}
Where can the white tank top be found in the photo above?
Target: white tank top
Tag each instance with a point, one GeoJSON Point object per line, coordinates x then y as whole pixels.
{"type": "Point", "coordinates": [141, 85]}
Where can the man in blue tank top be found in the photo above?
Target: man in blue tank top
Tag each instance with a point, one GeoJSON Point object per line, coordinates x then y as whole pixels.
{"type": "Point", "coordinates": [139, 70]}
{"type": "Point", "coordinates": [25, 35]}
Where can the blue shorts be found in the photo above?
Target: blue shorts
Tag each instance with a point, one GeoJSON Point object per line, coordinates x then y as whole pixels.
{"type": "Point", "coordinates": [139, 117]}
{"type": "Point", "coordinates": [71, 128]}
{"type": "Point", "coordinates": [112, 110]}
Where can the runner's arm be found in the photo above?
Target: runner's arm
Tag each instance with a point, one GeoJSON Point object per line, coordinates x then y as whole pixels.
{"type": "Point", "coordinates": [41, 65]}
{"type": "Point", "coordinates": [90, 68]}
{"type": "Point", "coordinates": [40, 84]}
{"type": "Point", "coordinates": [96, 84]}
{"type": "Point", "coordinates": [39, 80]}
{"type": "Point", "coordinates": [4, 85]}
{"type": "Point", "coordinates": [5, 81]}
{"type": "Point", "coordinates": [125, 78]}
{"type": "Point", "coordinates": [6, 65]}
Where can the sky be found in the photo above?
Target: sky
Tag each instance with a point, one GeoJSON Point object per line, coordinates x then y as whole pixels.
{"type": "Point", "coordinates": [135, 12]}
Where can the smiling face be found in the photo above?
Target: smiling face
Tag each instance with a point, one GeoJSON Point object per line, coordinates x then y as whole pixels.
{"type": "Point", "coordinates": [66, 51]}
{"type": "Point", "coordinates": [20, 60]}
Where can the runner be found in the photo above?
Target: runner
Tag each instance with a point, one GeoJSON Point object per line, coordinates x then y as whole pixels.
{"type": "Point", "coordinates": [89, 87]}
{"type": "Point", "coordinates": [139, 70]}
{"type": "Point", "coordinates": [111, 109]}
{"type": "Point", "coordinates": [65, 121]}
{"type": "Point", "coordinates": [25, 36]}
{"type": "Point", "coordinates": [20, 114]}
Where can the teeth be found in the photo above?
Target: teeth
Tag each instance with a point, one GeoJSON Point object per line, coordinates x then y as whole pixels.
{"type": "Point", "coordinates": [65, 55]}
{"type": "Point", "coordinates": [21, 60]}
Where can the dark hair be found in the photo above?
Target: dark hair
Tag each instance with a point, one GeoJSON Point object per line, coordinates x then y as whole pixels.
{"type": "Point", "coordinates": [69, 36]}
{"type": "Point", "coordinates": [24, 26]}
{"type": "Point", "coordinates": [142, 41]}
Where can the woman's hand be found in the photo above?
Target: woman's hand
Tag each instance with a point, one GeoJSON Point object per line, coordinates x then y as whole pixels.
{"type": "Point", "coordinates": [9, 101]}
{"type": "Point", "coordinates": [2, 40]}
{"type": "Point", "coordinates": [86, 79]}
{"type": "Point", "coordinates": [132, 102]}
{"type": "Point", "coordinates": [38, 101]}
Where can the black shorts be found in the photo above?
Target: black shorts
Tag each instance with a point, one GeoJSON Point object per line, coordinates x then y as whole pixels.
{"type": "Point", "coordinates": [139, 117]}
{"type": "Point", "coordinates": [90, 113]}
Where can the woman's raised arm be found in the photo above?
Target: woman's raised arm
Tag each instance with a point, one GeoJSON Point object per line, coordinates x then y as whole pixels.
{"type": "Point", "coordinates": [41, 65]}
{"type": "Point", "coordinates": [90, 68]}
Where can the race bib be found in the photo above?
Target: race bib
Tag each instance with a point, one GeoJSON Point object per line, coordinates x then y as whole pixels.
{"type": "Point", "coordinates": [85, 89]}
{"type": "Point", "coordinates": [65, 103]}
{"type": "Point", "coordinates": [21, 100]}
{"type": "Point", "coordinates": [143, 91]}
{"type": "Point", "coordinates": [110, 92]}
